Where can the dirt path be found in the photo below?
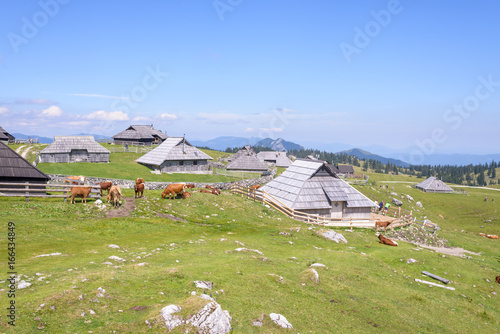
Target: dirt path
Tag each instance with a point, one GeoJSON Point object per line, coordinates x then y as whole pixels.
{"type": "Point", "coordinates": [124, 210]}
{"type": "Point", "coordinates": [455, 251]}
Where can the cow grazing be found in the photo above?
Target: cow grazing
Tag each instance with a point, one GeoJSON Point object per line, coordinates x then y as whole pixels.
{"type": "Point", "coordinates": [173, 190]}
{"type": "Point", "coordinates": [139, 190]}
{"type": "Point", "coordinates": [139, 181]}
{"type": "Point", "coordinates": [387, 241]}
{"type": "Point", "coordinates": [80, 191]}
{"type": "Point", "coordinates": [105, 186]}
{"type": "Point", "coordinates": [255, 187]}
{"type": "Point", "coordinates": [114, 195]}
{"type": "Point", "coordinates": [186, 195]}
{"type": "Point", "coordinates": [380, 224]}
{"type": "Point", "coordinates": [189, 186]}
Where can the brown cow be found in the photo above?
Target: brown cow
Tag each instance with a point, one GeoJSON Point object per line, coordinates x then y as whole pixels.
{"type": "Point", "coordinates": [189, 186]}
{"type": "Point", "coordinates": [379, 223]}
{"type": "Point", "coordinates": [114, 195]}
{"type": "Point", "coordinates": [205, 191]}
{"type": "Point", "coordinates": [214, 191]}
{"type": "Point", "coordinates": [80, 191]}
{"type": "Point", "coordinates": [491, 236]}
{"type": "Point", "coordinates": [173, 190]}
{"type": "Point", "coordinates": [497, 279]}
{"type": "Point", "coordinates": [186, 195]}
{"type": "Point", "coordinates": [209, 187]}
{"type": "Point", "coordinates": [105, 186]}
{"type": "Point", "coordinates": [387, 241]}
{"type": "Point", "coordinates": [139, 189]}
{"type": "Point", "coordinates": [139, 181]}
{"type": "Point", "coordinates": [255, 187]}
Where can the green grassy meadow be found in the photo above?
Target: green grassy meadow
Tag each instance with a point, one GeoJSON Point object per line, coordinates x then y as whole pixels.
{"type": "Point", "coordinates": [366, 287]}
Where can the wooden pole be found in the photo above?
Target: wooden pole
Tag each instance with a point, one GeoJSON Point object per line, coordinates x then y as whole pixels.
{"type": "Point", "coordinates": [27, 198]}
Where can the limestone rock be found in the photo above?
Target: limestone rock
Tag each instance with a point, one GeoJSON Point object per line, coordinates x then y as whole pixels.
{"type": "Point", "coordinates": [204, 285]}
{"type": "Point", "coordinates": [212, 319]}
{"type": "Point", "coordinates": [397, 202]}
{"type": "Point", "coordinates": [280, 320]}
{"type": "Point", "coordinates": [419, 205]}
{"type": "Point", "coordinates": [171, 320]}
{"type": "Point", "coordinates": [334, 236]}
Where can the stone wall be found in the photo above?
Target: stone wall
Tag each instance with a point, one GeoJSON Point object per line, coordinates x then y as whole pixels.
{"type": "Point", "coordinates": [127, 184]}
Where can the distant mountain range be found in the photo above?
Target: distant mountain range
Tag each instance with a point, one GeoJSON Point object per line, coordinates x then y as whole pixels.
{"type": "Point", "coordinates": [279, 144]}
{"type": "Point", "coordinates": [362, 154]}
{"type": "Point", "coordinates": [384, 155]}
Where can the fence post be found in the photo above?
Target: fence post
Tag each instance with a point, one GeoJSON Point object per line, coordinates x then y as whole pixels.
{"type": "Point", "coordinates": [399, 212]}
{"type": "Point", "coordinates": [351, 224]}
{"type": "Point", "coordinates": [27, 198]}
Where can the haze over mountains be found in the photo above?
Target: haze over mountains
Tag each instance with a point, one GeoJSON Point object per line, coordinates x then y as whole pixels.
{"type": "Point", "coordinates": [376, 152]}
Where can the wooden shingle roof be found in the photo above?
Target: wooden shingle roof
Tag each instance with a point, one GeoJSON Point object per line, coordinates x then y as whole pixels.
{"type": "Point", "coordinates": [434, 184]}
{"type": "Point", "coordinates": [310, 184]}
{"type": "Point", "coordinates": [248, 162]}
{"type": "Point", "coordinates": [65, 144]}
{"type": "Point", "coordinates": [12, 165]}
{"type": "Point", "coordinates": [138, 132]}
{"type": "Point", "coordinates": [173, 149]}
{"type": "Point", "coordinates": [280, 158]}
{"type": "Point", "coordinates": [4, 135]}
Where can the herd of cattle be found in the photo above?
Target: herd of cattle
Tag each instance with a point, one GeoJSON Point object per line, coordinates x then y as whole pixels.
{"type": "Point", "coordinates": [115, 194]}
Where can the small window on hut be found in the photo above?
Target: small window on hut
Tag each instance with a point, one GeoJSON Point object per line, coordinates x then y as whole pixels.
{"type": "Point", "coordinates": [195, 163]}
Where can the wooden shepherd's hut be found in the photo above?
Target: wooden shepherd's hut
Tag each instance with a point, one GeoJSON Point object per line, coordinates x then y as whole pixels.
{"type": "Point", "coordinates": [140, 135]}
{"type": "Point", "coordinates": [434, 185]}
{"type": "Point", "coordinates": [311, 187]}
{"type": "Point", "coordinates": [74, 149]}
{"type": "Point", "coordinates": [176, 154]}
{"type": "Point", "coordinates": [279, 159]}
{"type": "Point", "coordinates": [6, 137]}
{"type": "Point", "coordinates": [246, 160]}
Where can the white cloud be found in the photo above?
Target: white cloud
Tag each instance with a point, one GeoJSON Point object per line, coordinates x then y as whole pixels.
{"type": "Point", "coordinates": [271, 130]}
{"type": "Point", "coordinates": [3, 111]}
{"type": "Point", "coordinates": [248, 130]}
{"type": "Point", "coordinates": [168, 117]}
{"type": "Point", "coordinates": [102, 115]}
{"type": "Point", "coordinates": [141, 119]}
{"type": "Point", "coordinates": [52, 111]}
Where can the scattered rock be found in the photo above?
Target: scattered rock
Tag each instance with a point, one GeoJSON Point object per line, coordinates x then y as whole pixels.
{"type": "Point", "coordinates": [22, 285]}
{"type": "Point", "coordinates": [171, 320]}
{"type": "Point", "coordinates": [280, 320]}
{"type": "Point", "coordinates": [419, 204]}
{"type": "Point", "coordinates": [248, 250]}
{"type": "Point", "coordinates": [113, 246]}
{"type": "Point", "coordinates": [204, 285]}
{"type": "Point", "coordinates": [317, 265]}
{"type": "Point", "coordinates": [411, 261]}
{"type": "Point", "coordinates": [397, 202]}
{"type": "Point", "coordinates": [116, 258]}
{"type": "Point", "coordinates": [100, 292]}
{"type": "Point", "coordinates": [394, 194]}
{"type": "Point", "coordinates": [284, 233]}
{"type": "Point", "coordinates": [334, 236]}
{"type": "Point", "coordinates": [409, 198]}
{"type": "Point", "coordinates": [51, 254]}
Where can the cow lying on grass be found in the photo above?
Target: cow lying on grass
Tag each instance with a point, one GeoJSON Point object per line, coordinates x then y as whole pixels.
{"type": "Point", "coordinates": [105, 186]}
{"type": "Point", "coordinates": [74, 179]}
{"type": "Point", "coordinates": [214, 191]}
{"type": "Point", "coordinates": [387, 241]}
{"type": "Point", "coordinates": [186, 195]}
{"type": "Point", "coordinates": [491, 236]}
{"type": "Point", "coordinates": [380, 224]}
{"type": "Point", "coordinates": [139, 190]}
{"type": "Point", "coordinates": [114, 195]}
{"type": "Point", "coordinates": [80, 191]}
{"type": "Point", "coordinates": [173, 190]}
{"type": "Point", "coordinates": [189, 186]}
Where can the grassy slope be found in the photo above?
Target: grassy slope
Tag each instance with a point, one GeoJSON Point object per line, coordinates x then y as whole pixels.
{"type": "Point", "coordinates": [123, 166]}
{"type": "Point", "coordinates": [366, 287]}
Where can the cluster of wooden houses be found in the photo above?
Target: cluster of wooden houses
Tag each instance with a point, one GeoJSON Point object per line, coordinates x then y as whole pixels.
{"type": "Point", "coordinates": [308, 185]}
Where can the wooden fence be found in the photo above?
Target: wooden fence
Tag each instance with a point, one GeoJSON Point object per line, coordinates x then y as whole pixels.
{"type": "Point", "coordinates": [266, 198]}
{"type": "Point", "coordinates": [44, 190]}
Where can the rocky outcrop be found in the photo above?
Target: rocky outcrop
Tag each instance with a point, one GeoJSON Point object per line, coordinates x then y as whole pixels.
{"type": "Point", "coordinates": [280, 320]}
{"type": "Point", "coordinates": [334, 236]}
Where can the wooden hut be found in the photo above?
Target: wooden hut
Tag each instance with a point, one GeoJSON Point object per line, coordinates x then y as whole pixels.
{"type": "Point", "coordinates": [434, 185]}
{"type": "Point", "coordinates": [311, 187]}
{"type": "Point", "coordinates": [140, 135]}
{"type": "Point", "coordinates": [15, 169]}
{"type": "Point", "coordinates": [246, 160]}
{"type": "Point", "coordinates": [74, 149]}
{"type": "Point", "coordinates": [176, 154]}
{"type": "Point", "coordinates": [279, 159]}
{"type": "Point", "coordinates": [6, 137]}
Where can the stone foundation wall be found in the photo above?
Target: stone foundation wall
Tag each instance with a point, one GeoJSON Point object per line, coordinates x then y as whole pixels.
{"type": "Point", "coordinates": [128, 184]}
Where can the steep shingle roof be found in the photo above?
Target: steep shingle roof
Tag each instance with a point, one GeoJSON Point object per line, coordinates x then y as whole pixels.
{"type": "Point", "coordinates": [12, 165]}
{"type": "Point", "coordinates": [344, 169]}
{"type": "Point", "coordinates": [65, 144]}
{"type": "Point", "coordinates": [433, 184]}
{"type": "Point", "coordinates": [172, 149]}
{"type": "Point", "coordinates": [310, 184]}
{"type": "Point", "coordinates": [279, 158]}
{"type": "Point", "coordinates": [137, 132]}
{"type": "Point", "coordinates": [248, 162]}
{"type": "Point", "coordinates": [4, 135]}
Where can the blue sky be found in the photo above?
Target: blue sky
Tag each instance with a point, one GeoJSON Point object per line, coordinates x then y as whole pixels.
{"type": "Point", "coordinates": [400, 74]}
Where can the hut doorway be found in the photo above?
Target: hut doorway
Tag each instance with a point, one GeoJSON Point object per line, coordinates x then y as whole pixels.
{"type": "Point", "coordinates": [79, 156]}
